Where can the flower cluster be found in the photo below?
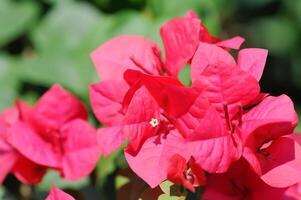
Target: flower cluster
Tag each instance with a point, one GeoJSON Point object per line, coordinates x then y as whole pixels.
{"type": "Point", "coordinates": [52, 134]}
{"type": "Point", "coordinates": [221, 133]}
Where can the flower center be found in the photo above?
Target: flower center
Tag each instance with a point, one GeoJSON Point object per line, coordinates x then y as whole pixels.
{"type": "Point", "coordinates": [154, 122]}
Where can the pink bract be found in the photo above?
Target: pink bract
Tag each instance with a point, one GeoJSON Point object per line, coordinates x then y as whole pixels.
{"type": "Point", "coordinates": [56, 194]}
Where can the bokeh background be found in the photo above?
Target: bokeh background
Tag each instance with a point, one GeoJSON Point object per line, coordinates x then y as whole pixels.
{"type": "Point", "coordinates": [43, 42]}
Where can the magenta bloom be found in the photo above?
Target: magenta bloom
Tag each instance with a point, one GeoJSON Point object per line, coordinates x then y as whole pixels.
{"type": "Point", "coordinates": [114, 57]}
{"type": "Point", "coordinates": [55, 134]}
{"type": "Point", "coordinates": [12, 161]}
{"type": "Point", "coordinates": [222, 125]}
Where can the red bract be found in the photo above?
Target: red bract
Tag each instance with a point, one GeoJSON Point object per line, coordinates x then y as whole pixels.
{"type": "Point", "coordinates": [239, 183]}
{"type": "Point", "coordinates": [272, 155]}
{"type": "Point", "coordinates": [56, 194]}
{"type": "Point", "coordinates": [55, 134]}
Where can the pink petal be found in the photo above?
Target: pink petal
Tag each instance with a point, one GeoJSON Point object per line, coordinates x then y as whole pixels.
{"type": "Point", "coordinates": [24, 110]}
{"type": "Point", "coordinates": [151, 162]}
{"type": "Point", "coordinates": [109, 139]}
{"type": "Point", "coordinates": [80, 149]}
{"type": "Point", "coordinates": [232, 43]}
{"type": "Point", "coordinates": [215, 155]}
{"type": "Point", "coordinates": [293, 192]}
{"type": "Point", "coordinates": [281, 168]}
{"type": "Point", "coordinates": [191, 14]}
{"type": "Point", "coordinates": [209, 55]}
{"type": "Point", "coordinates": [106, 101]}
{"type": "Point", "coordinates": [56, 194]}
{"type": "Point", "coordinates": [180, 38]}
{"type": "Point", "coordinates": [31, 145]}
{"type": "Point", "coordinates": [126, 52]}
{"type": "Point", "coordinates": [276, 116]}
{"type": "Point", "coordinates": [224, 82]}
{"type": "Point", "coordinates": [253, 60]}
{"type": "Point", "coordinates": [54, 108]}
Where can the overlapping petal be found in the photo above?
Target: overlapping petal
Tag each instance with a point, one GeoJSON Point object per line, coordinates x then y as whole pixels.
{"type": "Point", "coordinates": [106, 101]}
{"type": "Point", "coordinates": [152, 161]}
{"type": "Point", "coordinates": [80, 150]}
{"type": "Point", "coordinates": [56, 107]}
{"type": "Point", "coordinates": [225, 82]}
{"type": "Point", "coordinates": [180, 37]}
{"type": "Point", "coordinates": [112, 58]}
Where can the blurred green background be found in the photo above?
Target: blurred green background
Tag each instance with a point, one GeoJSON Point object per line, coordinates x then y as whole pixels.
{"type": "Point", "coordinates": [49, 41]}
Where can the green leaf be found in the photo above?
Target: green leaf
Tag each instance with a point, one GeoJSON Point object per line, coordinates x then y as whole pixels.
{"type": "Point", "coordinates": [106, 166]}
{"type": "Point", "coordinates": [171, 191]}
{"type": "Point", "coordinates": [64, 27]}
{"type": "Point", "coordinates": [16, 18]}
{"type": "Point", "coordinates": [278, 34]}
{"type": "Point", "coordinates": [62, 51]}
{"type": "Point", "coordinates": [63, 69]}
{"type": "Point", "coordinates": [2, 191]}
{"type": "Point", "coordinates": [8, 81]}
{"type": "Point", "coordinates": [120, 181]}
{"type": "Point", "coordinates": [53, 178]}
{"type": "Point", "coordinates": [184, 75]}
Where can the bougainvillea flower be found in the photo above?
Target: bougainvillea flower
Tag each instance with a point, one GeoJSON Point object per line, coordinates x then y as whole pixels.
{"type": "Point", "coordinates": [239, 183]}
{"type": "Point", "coordinates": [114, 57]}
{"type": "Point", "coordinates": [142, 103]}
{"type": "Point", "coordinates": [188, 174]}
{"type": "Point", "coordinates": [273, 155]}
{"type": "Point", "coordinates": [187, 109]}
{"type": "Point", "coordinates": [12, 161]}
{"type": "Point", "coordinates": [56, 134]}
{"type": "Point", "coordinates": [181, 37]}
{"type": "Point", "coordinates": [56, 194]}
